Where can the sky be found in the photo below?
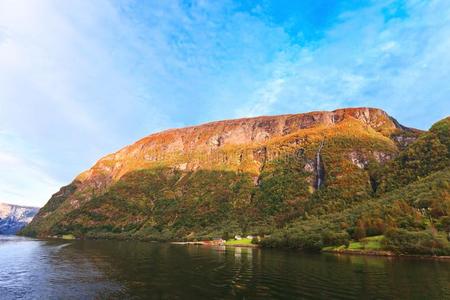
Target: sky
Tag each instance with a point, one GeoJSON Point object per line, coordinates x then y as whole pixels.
{"type": "Point", "coordinates": [81, 79]}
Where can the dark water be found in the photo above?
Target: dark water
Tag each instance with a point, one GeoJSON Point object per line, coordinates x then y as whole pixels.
{"type": "Point", "coordinates": [35, 269]}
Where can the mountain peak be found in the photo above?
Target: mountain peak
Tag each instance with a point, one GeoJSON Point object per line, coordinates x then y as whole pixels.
{"type": "Point", "coordinates": [371, 116]}
{"type": "Point", "coordinates": [15, 217]}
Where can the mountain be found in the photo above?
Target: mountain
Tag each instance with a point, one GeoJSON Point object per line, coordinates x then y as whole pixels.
{"type": "Point", "coordinates": [14, 217]}
{"type": "Point", "coordinates": [258, 175]}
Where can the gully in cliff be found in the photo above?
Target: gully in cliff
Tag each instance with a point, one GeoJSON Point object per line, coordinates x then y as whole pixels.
{"type": "Point", "coordinates": [320, 169]}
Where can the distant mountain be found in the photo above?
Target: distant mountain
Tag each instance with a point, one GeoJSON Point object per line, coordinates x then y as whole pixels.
{"type": "Point", "coordinates": [15, 217]}
{"type": "Point", "coordinates": [308, 180]}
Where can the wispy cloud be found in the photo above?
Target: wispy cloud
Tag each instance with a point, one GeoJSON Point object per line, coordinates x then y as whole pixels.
{"type": "Point", "coordinates": [79, 79]}
{"type": "Point", "coordinates": [66, 90]}
{"type": "Point", "coordinates": [22, 176]}
{"type": "Point", "coordinates": [374, 56]}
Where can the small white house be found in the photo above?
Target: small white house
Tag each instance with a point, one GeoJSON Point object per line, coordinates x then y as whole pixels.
{"type": "Point", "coordinates": [250, 237]}
{"type": "Point", "coordinates": [237, 237]}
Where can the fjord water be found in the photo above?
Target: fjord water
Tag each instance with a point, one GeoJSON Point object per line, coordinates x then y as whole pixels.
{"type": "Point", "coordinates": [33, 269]}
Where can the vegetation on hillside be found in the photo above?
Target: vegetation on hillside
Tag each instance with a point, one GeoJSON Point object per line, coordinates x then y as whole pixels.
{"type": "Point", "coordinates": [371, 196]}
{"type": "Point", "coordinates": [413, 212]}
{"type": "Point", "coordinates": [398, 215]}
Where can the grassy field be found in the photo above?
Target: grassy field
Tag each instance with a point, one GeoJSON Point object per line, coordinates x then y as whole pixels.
{"type": "Point", "coordinates": [238, 242]}
{"type": "Point", "coordinates": [68, 237]}
{"type": "Point", "coordinates": [369, 243]}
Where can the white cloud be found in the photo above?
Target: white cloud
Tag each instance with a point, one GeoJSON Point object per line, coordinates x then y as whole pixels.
{"type": "Point", "coordinates": [65, 92]}
{"type": "Point", "coordinates": [400, 63]}
{"type": "Point", "coordinates": [264, 98]}
{"type": "Point", "coordinates": [23, 179]}
{"type": "Point", "coordinates": [79, 79]}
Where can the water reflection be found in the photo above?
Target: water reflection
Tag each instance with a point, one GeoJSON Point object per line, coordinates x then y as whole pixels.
{"type": "Point", "coordinates": [31, 269]}
{"type": "Point", "coordinates": [113, 269]}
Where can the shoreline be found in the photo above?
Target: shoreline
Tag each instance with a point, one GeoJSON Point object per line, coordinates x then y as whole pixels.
{"type": "Point", "coordinates": [373, 253]}
{"type": "Point", "coordinates": [207, 243]}
{"type": "Point", "coordinates": [382, 253]}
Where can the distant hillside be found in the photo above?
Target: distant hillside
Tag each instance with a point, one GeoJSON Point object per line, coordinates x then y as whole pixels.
{"type": "Point", "coordinates": [14, 217]}
{"type": "Point", "coordinates": [263, 175]}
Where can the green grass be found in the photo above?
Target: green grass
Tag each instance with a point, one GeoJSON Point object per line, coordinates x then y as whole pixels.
{"type": "Point", "coordinates": [68, 237]}
{"type": "Point", "coordinates": [238, 242]}
{"type": "Point", "coordinates": [369, 243]}
{"type": "Point", "coordinates": [373, 243]}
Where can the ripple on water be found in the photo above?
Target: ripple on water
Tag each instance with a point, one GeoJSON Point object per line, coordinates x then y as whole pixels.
{"type": "Point", "coordinates": [32, 269]}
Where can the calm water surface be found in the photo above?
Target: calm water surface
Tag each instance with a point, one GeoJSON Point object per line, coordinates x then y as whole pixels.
{"type": "Point", "coordinates": [37, 269]}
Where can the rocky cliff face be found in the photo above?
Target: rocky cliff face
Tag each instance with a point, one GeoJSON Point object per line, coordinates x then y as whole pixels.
{"type": "Point", "coordinates": [241, 144]}
{"type": "Point", "coordinates": [14, 217]}
{"type": "Point", "coordinates": [331, 151]}
{"type": "Point", "coordinates": [194, 147]}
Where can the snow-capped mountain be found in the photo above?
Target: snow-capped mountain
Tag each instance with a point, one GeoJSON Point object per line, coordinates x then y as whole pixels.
{"type": "Point", "coordinates": [15, 217]}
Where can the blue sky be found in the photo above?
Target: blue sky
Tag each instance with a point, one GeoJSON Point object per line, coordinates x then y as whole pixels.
{"type": "Point", "coordinates": [80, 79]}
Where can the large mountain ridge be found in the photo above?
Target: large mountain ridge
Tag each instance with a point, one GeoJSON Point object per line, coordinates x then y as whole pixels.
{"type": "Point", "coordinates": [250, 175]}
{"type": "Point", "coordinates": [234, 145]}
